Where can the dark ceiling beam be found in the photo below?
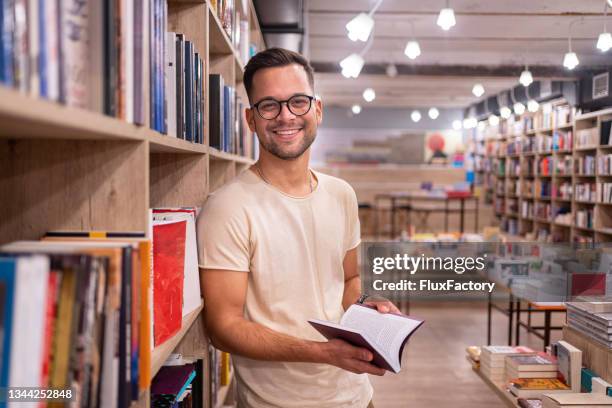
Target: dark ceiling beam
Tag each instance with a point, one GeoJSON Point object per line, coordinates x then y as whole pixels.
{"type": "Point", "coordinates": [542, 71]}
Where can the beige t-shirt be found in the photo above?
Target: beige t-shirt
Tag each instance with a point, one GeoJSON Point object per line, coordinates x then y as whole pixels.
{"type": "Point", "coordinates": [293, 249]}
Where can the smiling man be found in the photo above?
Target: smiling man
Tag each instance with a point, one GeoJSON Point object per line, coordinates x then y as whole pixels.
{"type": "Point", "coordinates": [278, 246]}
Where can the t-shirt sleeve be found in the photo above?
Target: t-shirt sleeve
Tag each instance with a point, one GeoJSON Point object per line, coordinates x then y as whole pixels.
{"type": "Point", "coordinates": [223, 237]}
{"type": "Point", "coordinates": [353, 230]}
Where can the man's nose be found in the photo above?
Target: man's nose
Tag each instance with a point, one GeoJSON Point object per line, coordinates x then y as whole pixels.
{"type": "Point", "coordinates": [285, 113]}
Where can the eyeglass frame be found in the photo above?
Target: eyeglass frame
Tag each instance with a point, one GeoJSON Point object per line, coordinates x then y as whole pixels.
{"type": "Point", "coordinates": [255, 106]}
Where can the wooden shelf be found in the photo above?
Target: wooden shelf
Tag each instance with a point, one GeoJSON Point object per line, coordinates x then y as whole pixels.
{"type": "Point", "coordinates": [26, 117]}
{"type": "Point", "coordinates": [167, 144]}
{"type": "Point", "coordinates": [218, 155]}
{"type": "Point", "coordinates": [585, 148]}
{"type": "Point", "coordinates": [160, 354]}
{"type": "Point", "coordinates": [508, 399]}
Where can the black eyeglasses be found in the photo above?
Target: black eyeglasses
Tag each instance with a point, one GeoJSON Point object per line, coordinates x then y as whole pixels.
{"type": "Point", "coordinates": [270, 108]}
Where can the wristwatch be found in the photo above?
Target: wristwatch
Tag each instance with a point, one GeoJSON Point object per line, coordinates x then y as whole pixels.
{"type": "Point", "coordinates": [362, 298]}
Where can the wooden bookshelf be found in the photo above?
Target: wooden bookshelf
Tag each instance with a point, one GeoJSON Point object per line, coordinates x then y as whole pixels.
{"type": "Point", "coordinates": [557, 230]}
{"type": "Point", "coordinates": [65, 168]}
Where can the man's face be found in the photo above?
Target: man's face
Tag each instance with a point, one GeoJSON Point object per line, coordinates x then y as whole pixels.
{"type": "Point", "coordinates": [287, 136]}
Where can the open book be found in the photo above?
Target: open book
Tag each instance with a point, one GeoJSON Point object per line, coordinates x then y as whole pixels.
{"type": "Point", "coordinates": [384, 334]}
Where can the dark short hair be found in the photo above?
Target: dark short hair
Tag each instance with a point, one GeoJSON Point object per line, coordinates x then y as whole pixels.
{"type": "Point", "coordinates": [274, 57]}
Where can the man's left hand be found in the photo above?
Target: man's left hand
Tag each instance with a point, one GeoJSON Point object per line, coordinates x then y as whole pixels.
{"type": "Point", "coordinates": [382, 306]}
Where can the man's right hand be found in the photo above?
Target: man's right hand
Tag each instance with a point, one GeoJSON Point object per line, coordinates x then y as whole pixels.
{"type": "Point", "coordinates": [348, 357]}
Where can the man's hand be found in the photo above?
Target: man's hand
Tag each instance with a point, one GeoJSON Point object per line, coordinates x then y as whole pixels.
{"type": "Point", "coordinates": [348, 357]}
{"type": "Point", "coordinates": [382, 306]}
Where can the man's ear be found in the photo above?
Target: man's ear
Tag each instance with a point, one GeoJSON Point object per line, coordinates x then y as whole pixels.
{"type": "Point", "coordinates": [250, 117]}
{"type": "Point", "coordinates": [319, 109]}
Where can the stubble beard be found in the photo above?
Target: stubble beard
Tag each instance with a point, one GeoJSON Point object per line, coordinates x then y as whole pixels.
{"type": "Point", "coordinates": [275, 149]}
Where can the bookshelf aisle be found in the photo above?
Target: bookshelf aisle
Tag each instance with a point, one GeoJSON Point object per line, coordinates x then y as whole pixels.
{"type": "Point", "coordinates": [70, 165]}
{"type": "Point", "coordinates": [548, 173]}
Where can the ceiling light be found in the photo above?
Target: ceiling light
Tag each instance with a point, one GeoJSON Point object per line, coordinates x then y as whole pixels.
{"type": "Point", "coordinates": [533, 106]}
{"type": "Point", "coordinates": [604, 42]}
{"type": "Point", "coordinates": [505, 112]}
{"type": "Point", "coordinates": [356, 109]}
{"type": "Point", "coordinates": [360, 27]}
{"type": "Point", "coordinates": [415, 116]}
{"type": "Point", "coordinates": [478, 90]}
{"type": "Point", "coordinates": [610, 3]}
{"type": "Point", "coordinates": [369, 95]}
{"type": "Point", "coordinates": [433, 113]}
{"type": "Point", "coordinates": [570, 61]}
{"type": "Point", "coordinates": [446, 18]}
{"type": "Point", "coordinates": [493, 120]}
{"type": "Point", "coordinates": [470, 123]}
{"type": "Point", "coordinates": [519, 108]}
{"type": "Point", "coordinates": [457, 124]}
{"type": "Point", "coordinates": [351, 66]}
{"type": "Point", "coordinates": [391, 70]}
{"type": "Point", "coordinates": [526, 78]}
{"type": "Point", "coordinates": [412, 49]}
{"type": "Point", "coordinates": [481, 126]}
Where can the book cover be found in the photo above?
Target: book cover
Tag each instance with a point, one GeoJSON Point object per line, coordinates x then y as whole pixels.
{"type": "Point", "coordinates": [168, 275]}
{"type": "Point", "coordinates": [180, 85]}
{"type": "Point", "coordinates": [172, 379]}
{"type": "Point", "coordinates": [539, 384]}
{"type": "Point", "coordinates": [189, 91]}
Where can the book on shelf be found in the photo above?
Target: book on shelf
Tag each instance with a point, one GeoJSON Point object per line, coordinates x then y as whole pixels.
{"type": "Point", "coordinates": [111, 57]}
{"type": "Point", "coordinates": [587, 137]}
{"type": "Point", "coordinates": [529, 402]}
{"type": "Point", "coordinates": [191, 275]}
{"type": "Point", "coordinates": [596, 325]}
{"type": "Point", "coordinates": [97, 347]}
{"type": "Point", "coordinates": [576, 400]}
{"type": "Point", "coordinates": [540, 365]}
{"type": "Point", "coordinates": [177, 384]}
{"type": "Point", "coordinates": [536, 387]}
{"type": "Point", "coordinates": [363, 326]}
{"type": "Point", "coordinates": [493, 363]}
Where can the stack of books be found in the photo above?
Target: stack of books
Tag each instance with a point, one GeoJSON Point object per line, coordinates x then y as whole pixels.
{"type": "Point", "coordinates": [576, 400]}
{"type": "Point", "coordinates": [178, 384]}
{"type": "Point", "coordinates": [593, 319]}
{"type": "Point", "coordinates": [540, 365]}
{"type": "Point", "coordinates": [493, 364]}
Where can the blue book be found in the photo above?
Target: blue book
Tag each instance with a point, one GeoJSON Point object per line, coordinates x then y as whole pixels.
{"type": "Point", "coordinates": [8, 267]}
{"type": "Point", "coordinates": [6, 38]}
{"type": "Point", "coordinates": [226, 117]}
{"type": "Point", "coordinates": [42, 50]}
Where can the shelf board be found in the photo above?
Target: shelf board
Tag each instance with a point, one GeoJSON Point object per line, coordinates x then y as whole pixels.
{"type": "Point", "coordinates": [607, 231]}
{"type": "Point", "coordinates": [160, 354]}
{"type": "Point", "coordinates": [22, 116]}
{"type": "Point", "coordinates": [585, 148]}
{"type": "Point", "coordinates": [218, 155]}
{"type": "Point", "coordinates": [167, 144]}
{"type": "Point", "coordinates": [564, 151]}
{"type": "Point", "coordinates": [583, 228]}
{"type": "Point", "coordinates": [592, 115]}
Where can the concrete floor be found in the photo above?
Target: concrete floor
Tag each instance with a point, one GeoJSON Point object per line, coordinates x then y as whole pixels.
{"type": "Point", "coordinates": [435, 373]}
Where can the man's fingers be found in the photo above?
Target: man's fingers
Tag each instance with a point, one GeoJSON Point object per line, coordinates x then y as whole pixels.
{"type": "Point", "coordinates": [361, 367]}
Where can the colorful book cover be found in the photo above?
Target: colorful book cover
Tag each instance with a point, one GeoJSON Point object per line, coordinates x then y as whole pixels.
{"type": "Point", "coordinates": [168, 275]}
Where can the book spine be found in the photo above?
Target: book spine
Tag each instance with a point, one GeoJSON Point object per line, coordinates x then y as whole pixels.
{"type": "Point", "coordinates": [164, 61]}
{"type": "Point", "coordinates": [110, 59]}
{"type": "Point", "coordinates": [127, 56]}
{"type": "Point", "coordinates": [180, 84]}
{"type": "Point", "coordinates": [52, 43]}
{"type": "Point", "coordinates": [75, 51]}
{"type": "Point", "coordinates": [20, 46]}
{"type": "Point", "coordinates": [138, 74]}
{"type": "Point", "coordinates": [96, 60]}
{"type": "Point", "coordinates": [170, 80]}
{"type": "Point", "coordinates": [33, 48]}
{"type": "Point", "coordinates": [188, 91]}
{"type": "Point", "coordinates": [151, 63]}
{"type": "Point", "coordinates": [7, 34]}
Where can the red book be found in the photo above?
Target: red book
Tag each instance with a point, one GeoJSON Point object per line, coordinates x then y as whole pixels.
{"type": "Point", "coordinates": [588, 284]}
{"type": "Point", "coordinates": [168, 271]}
{"type": "Point", "coordinates": [52, 299]}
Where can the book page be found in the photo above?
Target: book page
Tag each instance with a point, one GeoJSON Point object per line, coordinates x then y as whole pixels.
{"type": "Point", "coordinates": [388, 330]}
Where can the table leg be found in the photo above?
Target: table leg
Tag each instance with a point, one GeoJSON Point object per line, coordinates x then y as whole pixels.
{"type": "Point", "coordinates": [476, 217]}
{"type": "Point", "coordinates": [489, 310]}
{"type": "Point", "coordinates": [546, 328]}
{"type": "Point", "coordinates": [510, 318]}
{"type": "Point", "coordinates": [529, 317]}
{"type": "Point", "coordinates": [446, 216]}
{"type": "Point", "coordinates": [393, 218]}
{"type": "Point", "coordinates": [517, 333]}
{"type": "Point", "coordinates": [462, 215]}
